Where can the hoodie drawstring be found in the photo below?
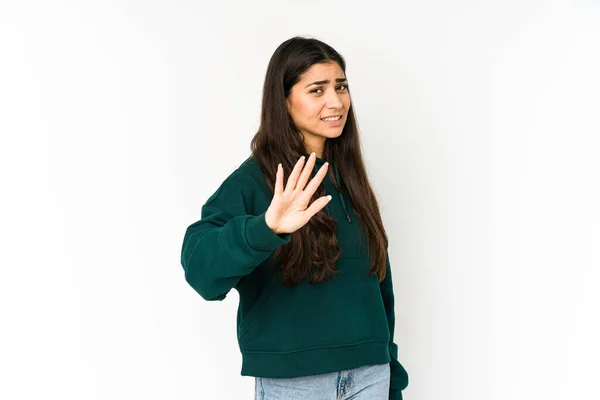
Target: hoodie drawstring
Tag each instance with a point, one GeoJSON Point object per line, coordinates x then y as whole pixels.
{"type": "Point", "coordinates": [337, 177]}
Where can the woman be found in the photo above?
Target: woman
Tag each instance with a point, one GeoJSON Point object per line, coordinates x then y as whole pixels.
{"type": "Point", "coordinates": [316, 312]}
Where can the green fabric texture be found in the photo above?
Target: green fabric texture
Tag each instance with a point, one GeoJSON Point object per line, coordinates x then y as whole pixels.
{"type": "Point", "coordinates": [290, 331]}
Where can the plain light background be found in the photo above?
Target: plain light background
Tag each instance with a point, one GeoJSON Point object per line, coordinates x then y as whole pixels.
{"type": "Point", "coordinates": [479, 124]}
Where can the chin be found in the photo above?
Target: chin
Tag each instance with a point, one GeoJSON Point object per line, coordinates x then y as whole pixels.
{"type": "Point", "coordinates": [331, 132]}
{"type": "Point", "coordinates": [335, 133]}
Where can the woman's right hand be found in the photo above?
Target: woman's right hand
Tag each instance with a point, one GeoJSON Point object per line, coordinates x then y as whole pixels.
{"type": "Point", "coordinates": [289, 210]}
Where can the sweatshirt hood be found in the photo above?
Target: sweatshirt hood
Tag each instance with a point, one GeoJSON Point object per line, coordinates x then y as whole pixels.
{"type": "Point", "coordinates": [318, 163]}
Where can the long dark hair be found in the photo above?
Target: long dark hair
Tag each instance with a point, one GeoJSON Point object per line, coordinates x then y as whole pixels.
{"type": "Point", "coordinates": [279, 141]}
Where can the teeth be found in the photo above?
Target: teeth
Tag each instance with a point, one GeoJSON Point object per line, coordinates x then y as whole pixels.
{"type": "Point", "coordinates": [332, 118]}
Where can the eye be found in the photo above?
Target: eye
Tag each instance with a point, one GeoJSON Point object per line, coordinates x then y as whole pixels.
{"type": "Point", "coordinates": [343, 88]}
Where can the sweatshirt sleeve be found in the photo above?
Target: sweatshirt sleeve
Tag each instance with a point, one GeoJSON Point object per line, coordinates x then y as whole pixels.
{"type": "Point", "coordinates": [227, 242]}
{"type": "Point", "coordinates": [398, 375]}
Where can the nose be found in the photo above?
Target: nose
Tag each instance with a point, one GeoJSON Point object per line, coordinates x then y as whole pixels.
{"type": "Point", "coordinates": [333, 100]}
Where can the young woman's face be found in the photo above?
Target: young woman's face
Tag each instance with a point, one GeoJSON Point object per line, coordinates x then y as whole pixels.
{"type": "Point", "coordinates": [322, 92]}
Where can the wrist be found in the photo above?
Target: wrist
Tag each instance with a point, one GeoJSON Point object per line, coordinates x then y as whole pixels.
{"type": "Point", "coordinates": [270, 224]}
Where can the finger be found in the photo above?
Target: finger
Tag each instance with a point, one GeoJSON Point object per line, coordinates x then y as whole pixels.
{"type": "Point", "coordinates": [291, 183]}
{"type": "Point", "coordinates": [279, 179]}
{"type": "Point", "coordinates": [318, 205]}
{"type": "Point", "coordinates": [316, 181]}
{"type": "Point", "coordinates": [306, 171]}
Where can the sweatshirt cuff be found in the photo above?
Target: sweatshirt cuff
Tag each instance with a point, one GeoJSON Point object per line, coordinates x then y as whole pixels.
{"type": "Point", "coordinates": [395, 394]}
{"type": "Point", "coordinates": [260, 237]}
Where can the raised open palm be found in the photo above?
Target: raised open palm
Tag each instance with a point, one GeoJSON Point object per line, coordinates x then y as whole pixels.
{"type": "Point", "coordinates": [289, 210]}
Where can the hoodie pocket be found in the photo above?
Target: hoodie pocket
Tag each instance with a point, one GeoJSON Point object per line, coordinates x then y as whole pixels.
{"type": "Point", "coordinates": [252, 315]}
{"type": "Point", "coordinates": [345, 310]}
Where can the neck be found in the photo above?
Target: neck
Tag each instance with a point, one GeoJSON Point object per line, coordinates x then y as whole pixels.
{"type": "Point", "coordinates": [318, 148]}
{"type": "Point", "coordinates": [314, 143]}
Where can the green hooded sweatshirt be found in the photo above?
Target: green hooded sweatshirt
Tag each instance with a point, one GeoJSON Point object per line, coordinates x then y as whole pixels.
{"type": "Point", "coordinates": [290, 331]}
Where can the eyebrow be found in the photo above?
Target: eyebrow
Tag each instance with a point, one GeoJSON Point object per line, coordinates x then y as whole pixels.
{"type": "Point", "coordinates": [338, 80]}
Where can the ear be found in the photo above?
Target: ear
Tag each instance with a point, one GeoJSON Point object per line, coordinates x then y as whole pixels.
{"type": "Point", "coordinates": [288, 104]}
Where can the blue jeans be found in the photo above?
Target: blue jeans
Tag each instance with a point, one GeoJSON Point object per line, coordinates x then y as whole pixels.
{"type": "Point", "coordinates": [369, 382]}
